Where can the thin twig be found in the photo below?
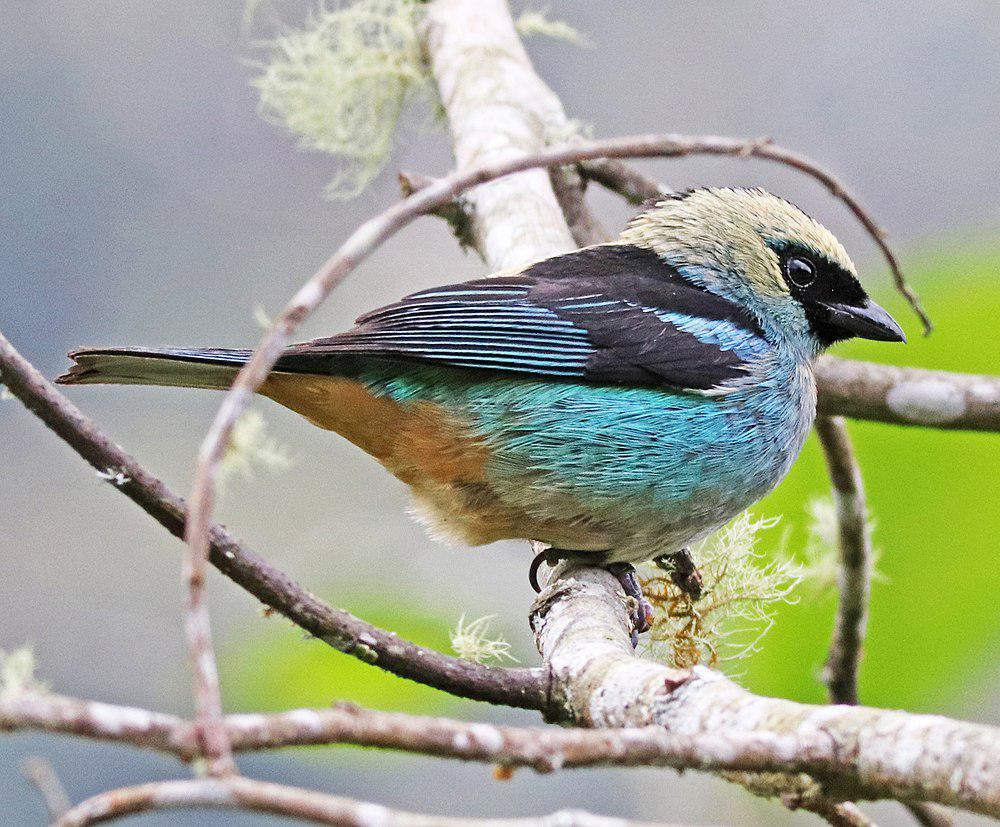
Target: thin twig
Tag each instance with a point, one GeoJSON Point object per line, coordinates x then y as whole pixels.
{"type": "Point", "coordinates": [42, 776]}
{"type": "Point", "coordinates": [854, 580]}
{"type": "Point", "coordinates": [248, 795]}
{"type": "Point", "coordinates": [799, 791]}
{"type": "Point", "coordinates": [624, 179]}
{"type": "Point", "coordinates": [930, 815]}
{"type": "Point", "coordinates": [855, 552]}
{"type": "Point", "coordinates": [636, 188]}
{"type": "Point", "coordinates": [212, 735]}
{"type": "Point", "coordinates": [343, 631]}
{"type": "Point", "coordinates": [843, 814]}
{"type": "Point", "coordinates": [570, 188]}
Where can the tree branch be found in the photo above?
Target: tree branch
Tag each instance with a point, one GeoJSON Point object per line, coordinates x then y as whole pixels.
{"type": "Point", "coordinates": [41, 775]}
{"type": "Point", "coordinates": [855, 569]}
{"type": "Point", "coordinates": [498, 110]}
{"type": "Point", "coordinates": [854, 579]}
{"type": "Point", "coordinates": [625, 180]}
{"type": "Point", "coordinates": [765, 760]}
{"type": "Point", "coordinates": [907, 396]}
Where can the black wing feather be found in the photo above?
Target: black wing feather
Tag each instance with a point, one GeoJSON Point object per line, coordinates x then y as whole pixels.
{"type": "Point", "coordinates": [595, 315]}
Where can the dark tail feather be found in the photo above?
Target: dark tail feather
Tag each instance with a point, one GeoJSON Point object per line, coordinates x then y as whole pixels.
{"type": "Point", "coordinates": [174, 367]}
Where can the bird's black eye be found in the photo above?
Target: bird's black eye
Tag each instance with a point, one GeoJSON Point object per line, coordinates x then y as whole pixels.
{"type": "Point", "coordinates": [799, 271]}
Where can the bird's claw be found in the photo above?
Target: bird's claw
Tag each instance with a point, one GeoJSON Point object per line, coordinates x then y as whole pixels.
{"type": "Point", "coordinates": [683, 572]}
{"type": "Point", "coordinates": [641, 610]}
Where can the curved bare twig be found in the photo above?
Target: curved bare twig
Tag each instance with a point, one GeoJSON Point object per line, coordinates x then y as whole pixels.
{"type": "Point", "coordinates": [854, 579]}
{"type": "Point", "coordinates": [855, 569]}
{"type": "Point", "coordinates": [636, 188]}
{"type": "Point", "coordinates": [292, 802]}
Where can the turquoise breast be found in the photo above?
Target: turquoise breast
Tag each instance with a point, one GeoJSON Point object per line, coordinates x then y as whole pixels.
{"type": "Point", "coordinates": [636, 471]}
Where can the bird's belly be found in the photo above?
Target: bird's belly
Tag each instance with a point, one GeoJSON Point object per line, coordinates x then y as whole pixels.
{"type": "Point", "coordinates": [640, 472]}
{"type": "Point", "coordinates": [637, 472]}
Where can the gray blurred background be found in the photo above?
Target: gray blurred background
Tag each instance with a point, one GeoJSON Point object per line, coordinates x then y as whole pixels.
{"type": "Point", "coordinates": [144, 201]}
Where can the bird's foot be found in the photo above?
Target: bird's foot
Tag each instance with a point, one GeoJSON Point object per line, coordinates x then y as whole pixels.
{"type": "Point", "coordinates": [682, 570]}
{"type": "Point", "coordinates": [641, 614]}
{"type": "Point", "coordinates": [552, 557]}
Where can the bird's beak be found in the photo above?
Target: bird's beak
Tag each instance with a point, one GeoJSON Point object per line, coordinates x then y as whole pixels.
{"type": "Point", "coordinates": [867, 321]}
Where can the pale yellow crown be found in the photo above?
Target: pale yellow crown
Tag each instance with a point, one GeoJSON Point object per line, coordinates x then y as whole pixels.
{"type": "Point", "coordinates": [735, 229]}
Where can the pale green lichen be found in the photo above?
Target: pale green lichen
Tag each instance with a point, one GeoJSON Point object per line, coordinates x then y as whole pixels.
{"type": "Point", "coordinates": [742, 588]}
{"type": "Point", "coordinates": [473, 641]}
{"type": "Point", "coordinates": [537, 22]}
{"type": "Point", "coordinates": [250, 448]}
{"type": "Point", "coordinates": [261, 317]}
{"type": "Point", "coordinates": [822, 548]}
{"type": "Point", "coordinates": [342, 81]}
{"type": "Point", "coordinates": [17, 672]}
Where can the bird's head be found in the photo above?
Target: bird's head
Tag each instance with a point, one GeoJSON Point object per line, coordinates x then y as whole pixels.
{"type": "Point", "coordinates": [763, 252]}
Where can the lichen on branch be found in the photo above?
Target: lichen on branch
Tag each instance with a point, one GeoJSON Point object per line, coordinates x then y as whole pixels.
{"type": "Point", "coordinates": [341, 82]}
{"type": "Point", "coordinates": [742, 588]}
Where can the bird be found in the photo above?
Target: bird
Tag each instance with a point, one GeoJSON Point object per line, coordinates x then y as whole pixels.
{"type": "Point", "coordinates": [616, 403]}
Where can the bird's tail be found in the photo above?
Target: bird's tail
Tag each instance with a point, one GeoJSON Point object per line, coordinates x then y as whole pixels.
{"type": "Point", "coordinates": [213, 368]}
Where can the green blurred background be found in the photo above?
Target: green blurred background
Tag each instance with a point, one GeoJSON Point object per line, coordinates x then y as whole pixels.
{"type": "Point", "coordinates": [145, 202]}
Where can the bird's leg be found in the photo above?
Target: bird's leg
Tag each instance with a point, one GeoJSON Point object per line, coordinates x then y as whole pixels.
{"type": "Point", "coordinates": [682, 570]}
{"type": "Point", "coordinates": [642, 616]}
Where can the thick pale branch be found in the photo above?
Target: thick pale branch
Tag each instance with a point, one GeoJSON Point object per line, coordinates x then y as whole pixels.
{"type": "Point", "coordinates": [339, 629]}
{"type": "Point", "coordinates": [498, 109]}
{"type": "Point", "coordinates": [581, 629]}
{"type": "Point", "coordinates": [292, 802]}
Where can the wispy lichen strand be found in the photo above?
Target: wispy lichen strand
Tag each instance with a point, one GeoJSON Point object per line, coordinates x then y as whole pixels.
{"type": "Point", "coordinates": [537, 22]}
{"type": "Point", "coordinates": [742, 588]}
{"type": "Point", "coordinates": [471, 640]}
{"type": "Point", "coordinates": [250, 448]}
{"type": "Point", "coordinates": [821, 547]}
{"type": "Point", "coordinates": [17, 672]}
{"type": "Point", "coordinates": [342, 81]}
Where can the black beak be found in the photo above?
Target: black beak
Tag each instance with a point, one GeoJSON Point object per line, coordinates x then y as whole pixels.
{"type": "Point", "coordinates": [868, 321]}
